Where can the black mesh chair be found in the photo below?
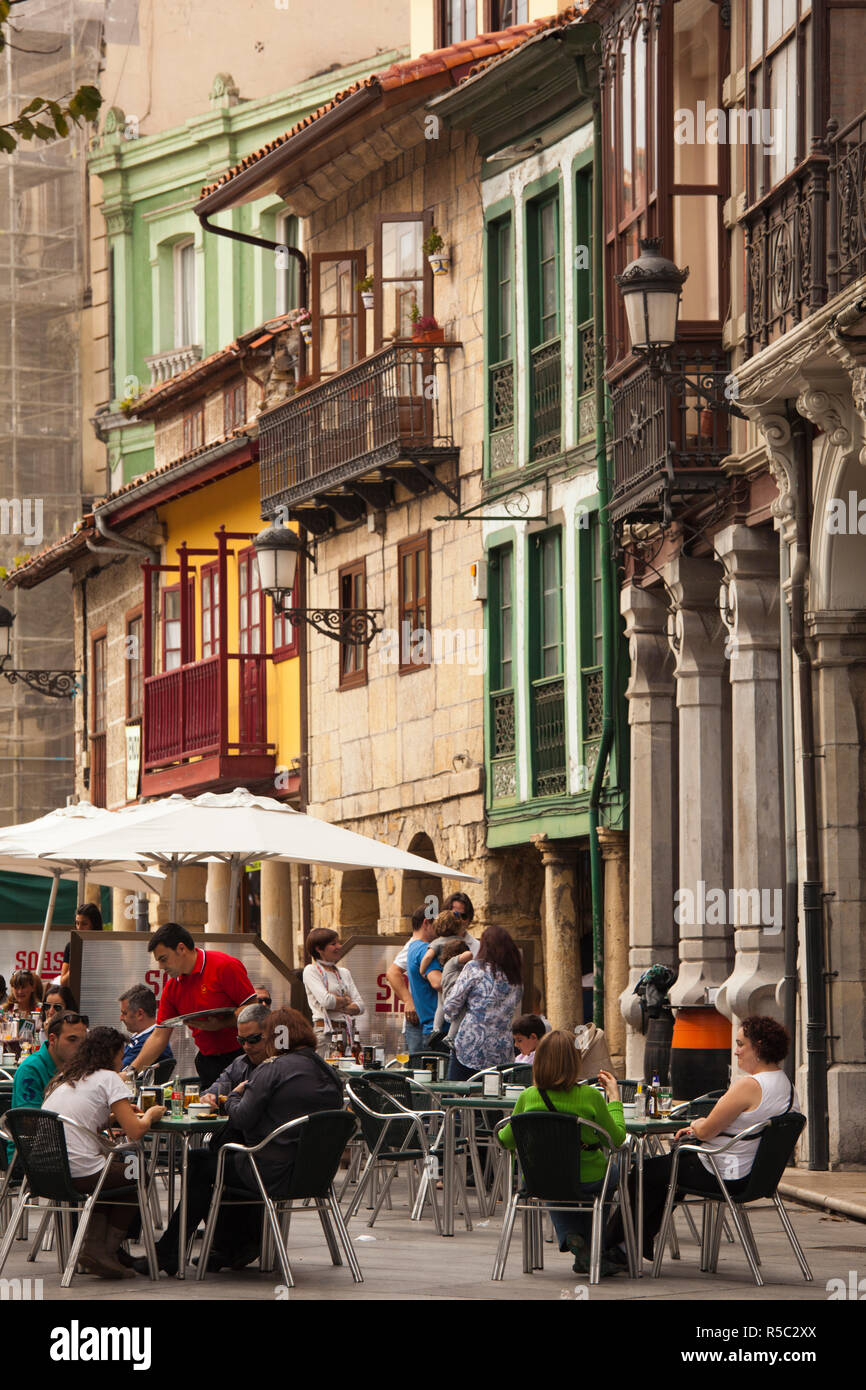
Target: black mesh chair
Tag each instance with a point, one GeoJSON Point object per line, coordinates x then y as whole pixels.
{"type": "Point", "coordinates": [550, 1147]}
{"type": "Point", "coordinates": [427, 1061]}
{"type": "Point", "coordinates": [517, 1074]}
{"type": "Point", "coordinates": [40, 1143]}
{"type": "Point", "coordinates": [322, 1138]}
{"type": "Point", "coordinates": [776, 1140]}
{"type": "Point", "coordinates": [395, 1134]}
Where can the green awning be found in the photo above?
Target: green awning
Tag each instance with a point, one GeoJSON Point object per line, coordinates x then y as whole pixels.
{"type": "Point", "coordinates": [24, 901]}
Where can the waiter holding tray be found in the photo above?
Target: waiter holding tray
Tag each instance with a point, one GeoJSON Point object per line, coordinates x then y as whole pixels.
{"type": "Point", "coordinates": [199, 981]}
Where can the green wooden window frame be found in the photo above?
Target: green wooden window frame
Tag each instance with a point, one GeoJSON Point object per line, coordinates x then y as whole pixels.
{"type": "Point", "coordinates": [547, 683]}
{"type": "Point", "coordinates": [502, 674]}
{"type": "Point", "coordinates": [584, 306]}
{"type": "Point", "coordinates": [501, 367]}
{"type": "Point", "coordinates": [591, 645]}
{"type": "Point", "coordinates": [543, 278]}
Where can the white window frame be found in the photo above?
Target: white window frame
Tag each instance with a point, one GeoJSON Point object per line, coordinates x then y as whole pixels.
{"type": "Point", "coordinates": [178, 250]}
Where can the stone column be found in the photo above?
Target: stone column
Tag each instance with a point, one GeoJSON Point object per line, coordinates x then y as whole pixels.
{"type": "Point", "coordinates": [191, 899]}
{"type": "Point", "coordinates": [750, 605]}
{"type": "Point", "coordinates": [614, 849]}
{"type": "Point", "coordinates": [276, 910]}
{"type": "Point", "coordinates": [217, 895]}
{"type": "Point", "coordinates": [652, 799]}
{"type": "Point", "coordinates": [562, 974]}
{"type": "Point", "coordinates": [698, 644]}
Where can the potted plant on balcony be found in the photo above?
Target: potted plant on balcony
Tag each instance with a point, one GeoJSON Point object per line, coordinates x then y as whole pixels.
{"type": "Point", "coordinates": [365, 289]}
{"type": "Point", "coordinates": [425, 328]}
{"type": "Point", "coordinates": [434, 250]}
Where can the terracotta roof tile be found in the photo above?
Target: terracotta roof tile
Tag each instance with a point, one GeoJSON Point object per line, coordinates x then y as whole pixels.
{"type": "Point", "coordinates": [467, 52]}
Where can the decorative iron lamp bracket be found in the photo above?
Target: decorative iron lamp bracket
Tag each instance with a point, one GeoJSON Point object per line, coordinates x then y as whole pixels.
{"type": "Point", "coordinates": [58, 684]}
{"type": "Point", "coordinates": [341, 624]}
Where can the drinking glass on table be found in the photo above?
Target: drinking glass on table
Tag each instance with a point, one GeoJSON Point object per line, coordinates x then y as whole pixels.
{"type": "Point", "coordinates": [402, 1055]}
{"type": "Point", "coordinates": [190, 1095]}
{"type": "Point", "coordinates": [666, 1101]}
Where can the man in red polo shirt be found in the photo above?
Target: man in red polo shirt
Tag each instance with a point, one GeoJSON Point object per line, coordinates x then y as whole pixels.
{"type": "Point", "coordinates": [199, 979]}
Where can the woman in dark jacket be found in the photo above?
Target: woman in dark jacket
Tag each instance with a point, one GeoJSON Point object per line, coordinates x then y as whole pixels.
{"type": "Point", "coordinates": [290, 1082]}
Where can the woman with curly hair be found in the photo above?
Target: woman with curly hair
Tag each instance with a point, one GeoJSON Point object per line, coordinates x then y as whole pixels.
{"type": "Point", "coordinates": [762, 1092]}
{"type": "Point", "coordinates": [92, 1092]}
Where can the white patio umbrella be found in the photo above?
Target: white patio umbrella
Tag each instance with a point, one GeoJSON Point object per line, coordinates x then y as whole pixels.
{"type": "Point", "coordinates": [22, 850]}
{"type": "Point", "coordinates": [237, 828]}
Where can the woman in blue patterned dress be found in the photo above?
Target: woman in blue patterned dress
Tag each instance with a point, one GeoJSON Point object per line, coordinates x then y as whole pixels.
{"type": "Point", "coordinates": [488, 992]}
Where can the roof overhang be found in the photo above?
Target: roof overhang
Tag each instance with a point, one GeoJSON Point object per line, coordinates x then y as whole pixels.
{"type": "Point", "coordinates": [522, 92]}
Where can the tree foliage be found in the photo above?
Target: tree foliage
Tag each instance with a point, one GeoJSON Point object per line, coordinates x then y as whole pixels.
{"type": "Point", "coordinates": [44, 118]}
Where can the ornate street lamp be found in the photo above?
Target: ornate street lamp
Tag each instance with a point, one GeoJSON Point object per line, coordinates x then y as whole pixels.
{"type": "Point", "coordinates": [59, 684]}
{"type": "Point", "coordinates": [652, 287]}
{"type": "Point", "coordinates": [277, 550]}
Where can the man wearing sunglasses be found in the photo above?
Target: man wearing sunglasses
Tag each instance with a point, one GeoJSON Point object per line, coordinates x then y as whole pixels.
{"type": "Point", "coordinates": [251, 1027]}
{"type": "Point", "coordinates": [63, 1033]}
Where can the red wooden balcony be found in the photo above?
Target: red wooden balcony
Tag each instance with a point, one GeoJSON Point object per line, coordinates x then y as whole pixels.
{"type": "Point", "coordinates": [205, 722]}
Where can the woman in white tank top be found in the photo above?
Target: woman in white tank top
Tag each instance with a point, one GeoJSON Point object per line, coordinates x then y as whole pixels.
{"type": "Point", "coordinates": [760, 1092]}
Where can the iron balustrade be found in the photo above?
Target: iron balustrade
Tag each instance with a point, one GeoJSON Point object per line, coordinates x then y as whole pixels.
{"type": "Point", "coordinates": [847, 213]}
{"type": "Point", "coordinates": [786, 253]}
{"type": "Point", "coordinates": [546, 406]}
{"type": "Point", "coordinates": [548, 741]}
{"type": "Point", "coordinates": [503, 744]}
{"type": "Point", "coordinates": [393, 405]}
{"type": "Point", "coordinates": [665, 431]}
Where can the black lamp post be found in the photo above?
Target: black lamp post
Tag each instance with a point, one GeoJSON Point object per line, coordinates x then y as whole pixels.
{"type": "Point", "coordinates": [277, 550]}
{"type": "Point", "coordinates": [59, 684]}
{"type": "Point", "coordinates": [652, 287]}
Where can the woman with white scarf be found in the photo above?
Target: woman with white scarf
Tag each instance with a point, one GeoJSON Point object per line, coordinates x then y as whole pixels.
{"type": "Point", "coordinates": [331, 992]}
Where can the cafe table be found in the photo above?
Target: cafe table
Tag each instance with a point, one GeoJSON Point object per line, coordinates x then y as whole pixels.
{"type": "Point", "coordinates": [454, 1103]}
{"type": "Point", "coordinates": [641, 1133]}
{"type": "Point", "coordinates": [181, 1130]}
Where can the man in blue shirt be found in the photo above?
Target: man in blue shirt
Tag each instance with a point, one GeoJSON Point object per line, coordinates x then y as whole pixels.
{"type": "Point", "coordinates": [64, 1033]}
{"type": "Point", "coordinates": [424, 988]}
{"type": "Point", "coordinates": [138, 1016]}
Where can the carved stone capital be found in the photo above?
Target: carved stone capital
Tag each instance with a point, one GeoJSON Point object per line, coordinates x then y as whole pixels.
{"type": "Point", "coordinates": [749, 600]}
{"type": "Point", "coordinates": [652, 667]}
{"type": "Point", "coordinates": [697, 639]}
{"type": "Point", "coordinates": [776, 432]}
{"type": "Point", "coordinates": [118, 220]}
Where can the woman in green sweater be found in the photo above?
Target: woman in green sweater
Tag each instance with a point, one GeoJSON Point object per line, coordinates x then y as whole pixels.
{"type": "Point", "coordinates": [556, 1087]}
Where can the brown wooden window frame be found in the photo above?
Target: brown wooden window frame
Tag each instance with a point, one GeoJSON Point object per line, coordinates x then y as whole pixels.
{"type": "Point", "coordinates": [493, 15]}
{"type": "Point", "coordinates": [469, 12]}
{"type": "Point", "coordinates": [98, 639]}
{"type": "Point", "coordinates": [234, 406]}
{"type": "Point", "coordinates": [758, 91]}
{"type": "Point", "coordinates": [207, 604]}
{"type": "Point", "coordinates": [426, 307]}
{"type": "Point", "coordinates": [135, 615]}
{"type": "Point", "coordinates": [413, 545]}
{"type": "Point", "coordinates": [163, 595]}
{"type": "Point", "coordinates": [359, 259]}
{"type": "Point", "coordinates": [283, 649]}
{"type": "Point", "coordinates": [193, 428]}
{"type": "Point", "coordinates": [350, 680]}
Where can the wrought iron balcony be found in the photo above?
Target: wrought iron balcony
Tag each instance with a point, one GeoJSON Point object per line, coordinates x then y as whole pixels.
{"type": "Point", "coordinates": [341, 444]}
{"type": "Point", "coordinates": [548, 731]}
{"type": "Point", "coordinates": [503, 746]}
{"type": "Point", "coordinates": [501, 415]}
{"type": "Point", "coordinates": [665, 436]}
{"type": "Point", "coordinates": [846, 259]}
{"type": "Point", "coordinates": [546, 371]}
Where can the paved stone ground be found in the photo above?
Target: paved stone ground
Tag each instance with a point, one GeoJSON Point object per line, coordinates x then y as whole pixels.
{"type": "Point", "coordinates": [406, 1261]}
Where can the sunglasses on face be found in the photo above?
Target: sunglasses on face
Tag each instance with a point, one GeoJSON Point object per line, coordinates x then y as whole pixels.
{"type": "Point", "coordinates": [251, 1040]}
{"type": "Point", "coordinates": [458, 912]}
{"type": "Point", "coordinates": [266, 1000]}
{"type": "Point", "coordinates": [53, 1008]}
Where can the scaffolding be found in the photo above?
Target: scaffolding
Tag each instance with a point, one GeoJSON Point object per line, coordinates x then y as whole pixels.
{"type": "Point", "coordinates": [53, 47]}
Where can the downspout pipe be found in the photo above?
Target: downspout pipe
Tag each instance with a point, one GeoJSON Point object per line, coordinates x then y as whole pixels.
{"type": "Point", "coordinates": [589, 92]}
{"type": "Point", "coordinates": [789, 984]}
{"type": "Point", "coordinates": [813, 892]}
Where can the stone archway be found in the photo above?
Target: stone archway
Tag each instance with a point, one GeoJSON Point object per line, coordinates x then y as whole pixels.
{"type": "Point", "coordinates": [359, 901]}
{"type": "Point", "coordinates": [418, 888]}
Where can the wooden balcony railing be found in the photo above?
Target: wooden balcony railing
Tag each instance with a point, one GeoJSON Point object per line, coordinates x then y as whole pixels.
{"type": "Point", "coordinates": [392, 406]}
{"type": "Point", "coordinates": [186, 711]}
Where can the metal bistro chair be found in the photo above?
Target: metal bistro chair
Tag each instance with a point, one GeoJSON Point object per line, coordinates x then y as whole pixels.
{"type": "Point", "coordinates": [159, 1073]}
{"type": "Point", "coordinates": [388, 1125]}
{"type": "Point", "coordinates": [697, 1109]}
{"type": "Point", "coordinates": [40, 1141]}
{"type": "Point", "coordinates": [549, 1148]}
{"type": "Point", "coordinates": [322, 1137]}
{"type": "Point", "coordinates": [776, 1140]}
